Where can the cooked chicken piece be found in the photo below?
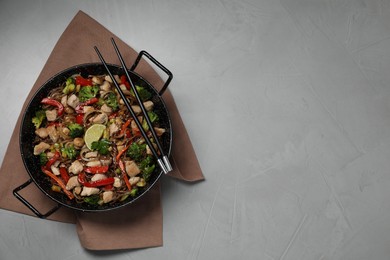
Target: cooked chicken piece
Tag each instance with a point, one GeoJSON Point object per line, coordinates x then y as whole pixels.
{"type": "Point", "coordinates": [134, 180]}
{"type": "Point", "coordinates": [65, 130]}
{"type": "Point", "coordinates": [159, 131]}
{"type": "Point", "coordinates": [51, 115]}
{"type": "Point", "coordinates": [73, 101]}
{"type": "Point", "coordinates": [98, 176]}
{"type": "Point", "coordinates": [72, 183]}
{"type": "Point", "coordinates": [53, 133]}
{"type": "Point", "coordinates": [137, 109]}
{"type": "Point", "coordinates": [105, 86]}
{"type": "Point", "coordinates": [76, 167]}
{"type": "Point", "coordinates": [108, 196]}
{"type": "Point", "coordinates": [94, 163]}
{"type": "Point", "coordinates": [97, 80]}
{"type": "Point", "coordinates": [55, 170]}
{"type": "Point", "coordinates": [41, 132]}
{"type": "Point", "coordinates": [106, 109]}
{"type": "Point", "coordinates": [148, 105]}
{"type": "Point", "coordinates": [108, 78]}
{"type": "Point", "coordinates": [117, 182]}
{"type": "Point", "coordinates": [131, 168]}
{"type": "Point", "coordinates": [77, 190]}
{"type": "Point", "coordinates": [148, 151]}
{"type": "Point", "coordinates": [100, 119]}
{"type": "Point", "coordinates": [41, 147]}
{"type": "Point", "coordinates": [113, 128]}
{"type": "Point", "coordinates": [88, 191]}
{"type": "Point", "coordinates": [64, 100]}
{"type": "Point", "coordinates": [88, 109]}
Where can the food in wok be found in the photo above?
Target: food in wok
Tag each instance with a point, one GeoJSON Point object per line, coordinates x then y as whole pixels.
{"type": "Point", "coordinates": [88, 145]}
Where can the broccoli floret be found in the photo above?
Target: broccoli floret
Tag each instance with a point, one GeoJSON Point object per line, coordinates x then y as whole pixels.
{"type": "Point", "coordinates": [40, 115]}
{"type": "Point", "coordinates": [111, 101]}
{"type": "Point", "coordinates": [69, 86]}
{"type": "Point", "coordinates": [136, 151]}
{"type": "Point", "coordinates": [69, 152]}
{"type": "Point", "coordinates": [101, 146]}
{"type": "Point", "coordinates": [142, 92]}
{"type": "Point", "coordinates": [147, 166]}
{"type": "Point", "coordinates": [88, 92]}
{"type": "Point", "coordinates": [43, 158]}
{"type": "Point", "coordinates": [76, 130]}
{"type": "Point", "coordinates": [153, 118]}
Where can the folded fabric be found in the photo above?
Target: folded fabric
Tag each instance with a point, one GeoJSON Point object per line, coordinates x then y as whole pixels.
{"type": "Point", "coordinates": [137, 225]}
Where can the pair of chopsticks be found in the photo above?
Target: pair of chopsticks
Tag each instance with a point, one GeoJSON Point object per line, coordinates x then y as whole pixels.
{"type": "Point", "coordinates": [162, 159]}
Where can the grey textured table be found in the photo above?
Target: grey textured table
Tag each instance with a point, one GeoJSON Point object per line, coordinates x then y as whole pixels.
{"type": "Point", "coordinates": [287, 104]}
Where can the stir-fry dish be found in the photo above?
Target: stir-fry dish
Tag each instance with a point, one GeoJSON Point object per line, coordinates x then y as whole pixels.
{"type": "Point", "coordinates": [88, 144]}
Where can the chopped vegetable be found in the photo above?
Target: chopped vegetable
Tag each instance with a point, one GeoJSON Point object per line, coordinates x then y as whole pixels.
{"type": "Point", "coordinates": [64, 174]}
{"type": "Point", "coordinates": [69, 152]}
{"type": "Point", "coordinates": [52, 160]}
{"type": "Point", "coordinates": [93, 184]}
{"type": "Point", "coordinates": [97, 169]}
{"type": "Point", "coordinates": [142, 93]}
{"type": "Point", "coordinates": [147, 166]}
{"type": "Point", "coordinates": [136, 151]}
{"type": "Point", "coordinates": [93, 200]}
{"type": "Point", "coordinates": [76, 130]}
{"type": "Point", "coordinates": [153, 118]}
{"type": "Point", "coordinates": [80, 107]}
{"type": "Point", "coordinates": [83, 81]}
{"type": "Point", "coordinates": [88, 92]}
{"type": "Point", "coordinates": [111, 100]}
{"type": "Point", "coordinates": [43, 158]}
{"type": "Point", "coordinates": [101, 146]}
{"type": "Point", "coordinates": [53, 102]}
{"type": "Point", "coordinates": [40, 115]}
{"type": "Point", "coordinates": [59, 182]}
{"type": "Point", "coordinates": [69, 86]}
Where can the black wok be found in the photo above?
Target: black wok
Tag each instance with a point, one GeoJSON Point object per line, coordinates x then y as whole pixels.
{"type": "Point", "coordinates": [27, 134]}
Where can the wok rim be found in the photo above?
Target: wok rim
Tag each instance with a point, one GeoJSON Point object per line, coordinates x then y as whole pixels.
{"type": "Point", "coordinates": [72, 203]}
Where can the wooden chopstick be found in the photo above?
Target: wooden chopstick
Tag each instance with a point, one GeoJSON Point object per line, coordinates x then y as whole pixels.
{"type": "Point", "coordinates": [164, 157]}
{"type": "Point", "coordinates": [139, 125]}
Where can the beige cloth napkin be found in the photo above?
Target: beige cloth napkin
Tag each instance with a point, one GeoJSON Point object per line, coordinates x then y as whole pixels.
{"type": "Point", "coordinates": [137, 225]}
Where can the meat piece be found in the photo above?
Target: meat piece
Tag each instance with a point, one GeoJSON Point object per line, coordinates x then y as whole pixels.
{"type": "Point", "coordinates": [117, 182]}
{"type": "Point", "coordinates": [94, 163]}
{"type": "Point", "coordinates": [148, 151]}
{"type": "Point", "coordinates": [137, 109]}
{"type": "Point", "coordinates": [76, 167]}
{"type": "Point", "coordinates": [73, 101]}
{"type": "Point", "coordinates": [100, 119]}
{"type": "Point", "coordinates": [108, 196]}
{"type": "Point", "coordinates": [113, 128]}
{"type": "Point", "coordinates": [132, 168]}
{"type": "Point", "coordinates": [51, 115]}
{"type": "Point", "coordinates": [88, 109]}
{"type": "Point", "coordinates": [41, 147]}
{"type": "Point", "coordinates": [133, 180]}
{"type": "Point", "coordinates": [106, 109]}
{"type": "Point", "coordinates": [106, 85]}
{"type": "Point", "coordinates": [88, 191]}
{"type": "Point", "coordinates": [55, 170]}
{"type": "Point", "coordinates": [53, 133]}
{"type": "Point", "coordinates": [64, 101]}
{"type": "Point", "coordinates": [41, 132]}
{"type": "Point", "coordinates": [159, 131]}
{"type": "Point", "coordinates": [72, 183]}
{"type": "Point", "coordinates": [91, 155]}
{"type": "Point", "coordinates": [98, 176]}
{"type": "Point", "coordinates": [148, 105]}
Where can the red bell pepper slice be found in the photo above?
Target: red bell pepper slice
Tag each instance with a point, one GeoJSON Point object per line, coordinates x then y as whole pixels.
{"type": "Point", "coordinates": [94, 184]}
{"type": "Point", "coordinates": [97, 169]}
{"type": "Point", "coordinates": [124, 81]}
{"type": "Point", "coordinates": [53, 102]}
{"type": "Point", "coordinates": [52, 160]}
{"type": "Point", "coordinates": [83, 81]}
{"type": "Point", "coordinates": [80, 107]}
{"type": "Point", "coordinates": [80, 119]}
{"type": "Point", "coordinates": [64, 174]}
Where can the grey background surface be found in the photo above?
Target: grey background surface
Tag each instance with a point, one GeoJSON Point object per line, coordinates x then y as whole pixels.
{"type": "Point", "coordinates": [287, 104]}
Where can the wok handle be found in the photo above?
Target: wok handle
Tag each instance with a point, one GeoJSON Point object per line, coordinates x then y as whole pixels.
{"type": "Point", "coordinates": [28, 204]}
{"type": "Point", "coordinates": [158, 64]}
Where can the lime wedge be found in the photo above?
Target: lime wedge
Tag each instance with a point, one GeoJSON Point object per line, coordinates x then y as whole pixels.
{"type": "Point", "coordinates": [93, 134]}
